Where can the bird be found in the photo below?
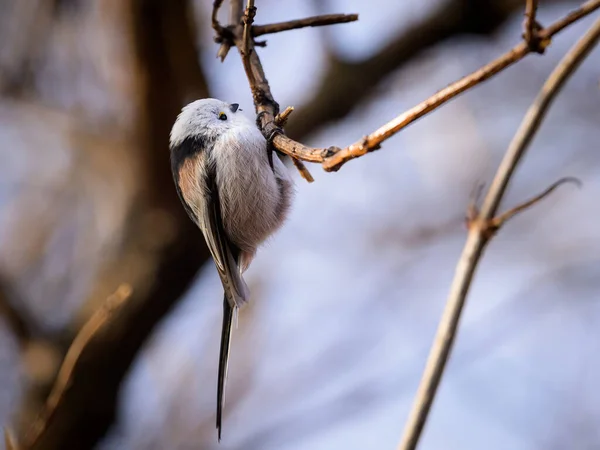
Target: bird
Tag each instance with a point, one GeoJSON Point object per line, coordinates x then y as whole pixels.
{"type": "Point", "coordinates": [236, 190]}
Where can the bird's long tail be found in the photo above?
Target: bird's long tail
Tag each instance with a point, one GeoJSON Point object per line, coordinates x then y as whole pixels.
{"type": "Point", "coordinates": [228, 311]}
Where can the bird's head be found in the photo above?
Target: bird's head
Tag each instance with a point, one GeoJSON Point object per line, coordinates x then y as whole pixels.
{"type": "Point", "coordinates": [209, 118]}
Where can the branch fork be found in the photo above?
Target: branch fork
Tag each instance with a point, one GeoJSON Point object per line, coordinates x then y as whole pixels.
{"type": "Point", "coordinates": [489, 227]}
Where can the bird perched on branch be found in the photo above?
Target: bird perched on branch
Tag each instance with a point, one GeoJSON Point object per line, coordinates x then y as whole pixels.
{"type": "Point", "coordinates": [238, 193]}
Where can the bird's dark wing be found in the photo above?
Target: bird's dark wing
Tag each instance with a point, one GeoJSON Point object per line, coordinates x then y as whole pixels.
{"type": "Point", "coordinates": [197, 188]}
{"type": "Point", "coordinates": [199, 194]}
{"type": "Point", "coordinates": [236, 291]}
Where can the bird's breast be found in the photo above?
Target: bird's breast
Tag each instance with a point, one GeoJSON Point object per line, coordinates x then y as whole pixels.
{"type": "Point", "coordinates": [249, 191]}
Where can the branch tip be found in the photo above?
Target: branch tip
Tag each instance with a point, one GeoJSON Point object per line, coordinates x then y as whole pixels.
{"type": "Point", "coordinates": [316, 21]}
{"type": "Point", "coordinates": [497, 222]}
{"type": "Point", "coordinates": [304, 172]}
{"type": "Point", "coordinates": [282, 118]}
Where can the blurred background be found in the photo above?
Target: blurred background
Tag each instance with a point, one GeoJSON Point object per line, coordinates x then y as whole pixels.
{"type": "Point", "coordinates": [347, 296]}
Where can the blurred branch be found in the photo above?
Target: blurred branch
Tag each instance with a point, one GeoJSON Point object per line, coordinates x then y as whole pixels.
{"type": "Point", "coordinates": [24, 44]}
{"type": "Point", "coordinates": [17, 324]}
{"type": "Point", "coordinates": [499, 221]}
{"type": "Point", "coordinates": [166, 75]}
{"type": "Point", "coordinates": [266, 107]}
{"type": "Point", "coordinates": [482, 228]}
{"type": "Point", "coordinates": [64, 377]}
{"type": "Point", "coordinates": [214, 18]}
{"type": "Point", "coordinates": [315, 21]}
{"type": "Point", "coordinates": [9, 440]}
{"type": "Point", "coordinates": [224, 35]}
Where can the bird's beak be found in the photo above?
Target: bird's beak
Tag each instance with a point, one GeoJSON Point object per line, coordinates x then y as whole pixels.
{"type": "Point", "coordinates": [234, 107]}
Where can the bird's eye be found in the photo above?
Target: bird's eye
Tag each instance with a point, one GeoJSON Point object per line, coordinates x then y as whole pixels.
{"type": "Point", "coordinates": [222, 116]}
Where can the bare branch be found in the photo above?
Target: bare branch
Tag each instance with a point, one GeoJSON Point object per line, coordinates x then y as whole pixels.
{"type": "Point", "coordinates": [333, 158]}
{"type": "Point", "coordinates": [248, 20]}
{"type": "Point", "coordinates": [282, 118]}
{"type": "Point", "coordinates": [315, 21]}
{"type": "Point", "coordinates": [63, 379]}
{"type": "Point", "coordinates": [329, 100]}
{"type": "Point", "coordinates": [280, 121]}
{"type": "Point", "coordinates": [500, 220]}
{"type": "Point", "coordinates": [304, 172]}
{"type": "Point", "coordinates": [532, 27]}
{"type": "Point", "coordinates": [236, 9]}
{"type": "Point", "coordinates": [224, 35]}
{"type": "Point", "coordinates": [480, 234]}
{"type": "Point", "coordinates": [215, 21]}
{"type": "Point", "coordinates": [266, 107]}
{"type": "Point", "coordinates": [246, 46]}
{"type": "Point", "coordinates": [373, 141]}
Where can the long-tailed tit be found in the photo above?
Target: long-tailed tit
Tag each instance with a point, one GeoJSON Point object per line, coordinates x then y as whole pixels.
{"type": "Point", "coordinates": [235, 191]}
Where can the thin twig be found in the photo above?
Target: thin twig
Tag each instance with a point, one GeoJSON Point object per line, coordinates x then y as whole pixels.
{"type": "Point", "coordinates": [236, 9]}
{"type": "Point", "coordinates": [246, 45]}
{"type": "Point", "coordinates": [247, 20]}
{"type": "Point", "coordinates": [373, 141]}
{"type": "Point", "coordinates": [479, 235]}
{"type": "Point", "coordinates": [500, 220]}
{"type": "Point", "coordinates": [214, 17]}
{"type": "Point", "coordinates": [333, 158]}
{"type": "Point", "coordinates": [315, 21]}
{"type": "Point", "coordinates": [532, 27]}
{"type": "Point", "coordinates": [63, 379]}
{"type": "Point", "coordinates": [266, 107]}
{"type": "Point", "coordinates": [304, 172]}
{"type": "Point", "coordinates": [282, 118]}
{"type": "Point", "coordinates": [280, 121]}
{"type": "Point", "coordinates": [224, 35]}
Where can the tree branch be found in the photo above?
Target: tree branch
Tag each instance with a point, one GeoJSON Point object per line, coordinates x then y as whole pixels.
{"type": "Point", "coordinates": [224, 35]}
{"type": "Point", "coordinates": [481, 230]}
{"type": "Point", "coordinates": [214, 17]}
{"type": "Point", "coordinates": [450, 18]}
{"type": "Point", "coordinates": [531, 26]}
{"type": "Point", "coordinates": [16, 322]}
{"type": "Point", "coordinates": [248, 20]}
{"type": "Point", "coordinates": [9, 440]}
{"type": "Point", "coordinates": [315, 21]}
{"type": "Point", "coordinates": [64, 377]}
{"type": "Point", "coordinates": [166, 72]}
{"type": "Point", "coordinates": [500, 220]}
{"type": "Point", "coordinates": [373, 141]}
{"type": "Point", "coordinates": [333, 158]}
{"type": "Point", "coordinates": [245, 49]}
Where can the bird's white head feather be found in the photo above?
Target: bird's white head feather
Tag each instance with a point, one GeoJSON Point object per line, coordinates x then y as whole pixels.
{"type": "Point", "coordinates": [201, 117]}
